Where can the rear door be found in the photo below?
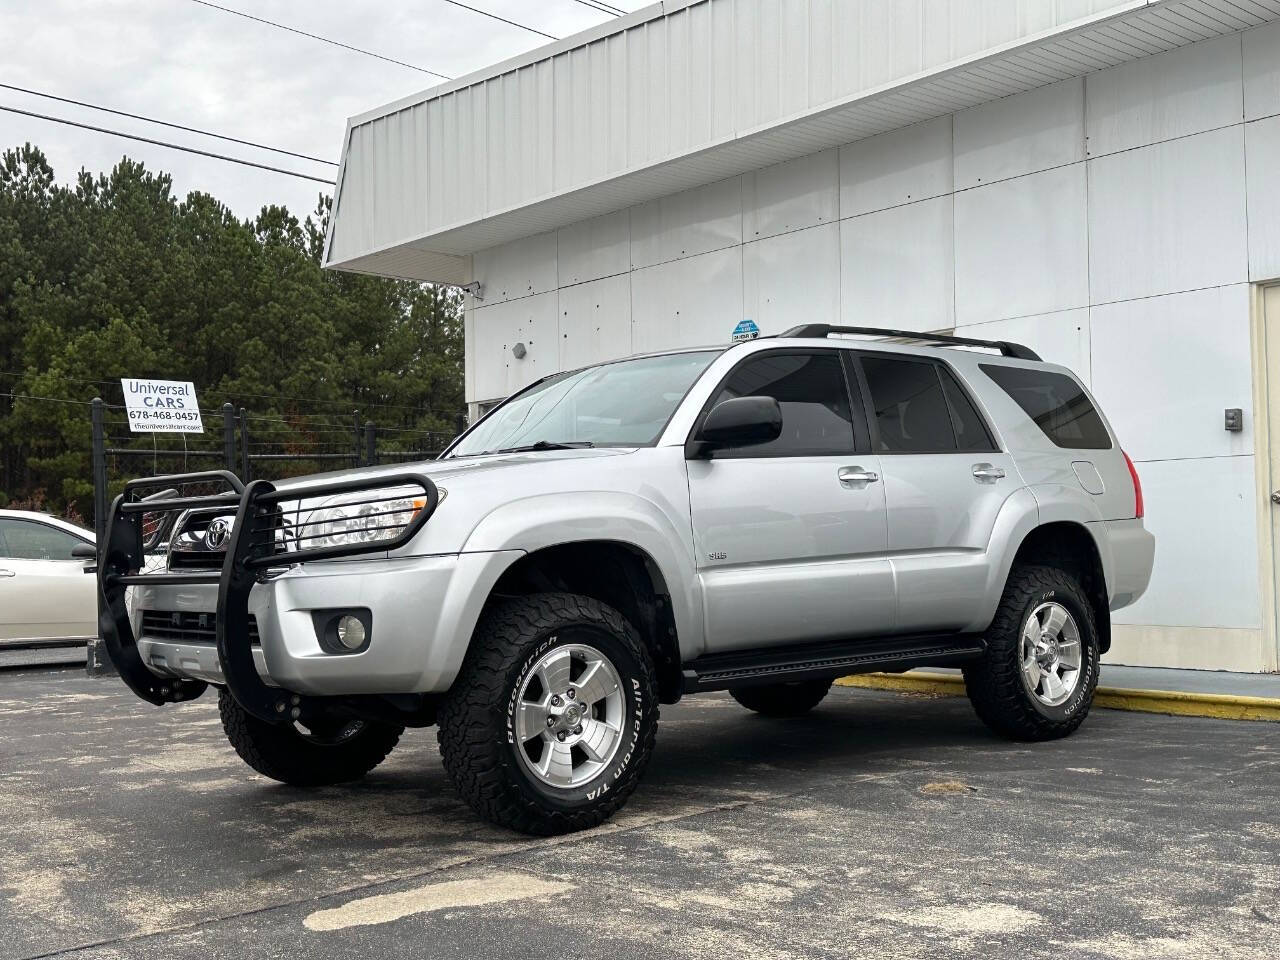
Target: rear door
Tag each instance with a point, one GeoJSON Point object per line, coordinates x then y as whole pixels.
{"type": "Point", "coordinates": [44, 593]}
{"type": "Point", "coordinates": [791, 535]}
{"type": "Point", "coordinates": [944, 483]}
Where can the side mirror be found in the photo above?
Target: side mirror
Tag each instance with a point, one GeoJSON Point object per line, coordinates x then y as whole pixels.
{"type": "Point", "coordinates": [84, 551]}
{"type": "Point", "coordinates": [739, 422]}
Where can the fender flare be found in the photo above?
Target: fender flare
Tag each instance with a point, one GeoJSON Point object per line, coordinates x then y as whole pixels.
{"type": "Point", "coordinates": [524, 526]}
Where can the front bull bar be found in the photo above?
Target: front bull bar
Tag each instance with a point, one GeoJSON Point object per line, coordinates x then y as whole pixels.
{"type": "Point", "coordinates": [260, 542]}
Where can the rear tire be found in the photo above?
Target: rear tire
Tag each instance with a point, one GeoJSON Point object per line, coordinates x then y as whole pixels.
{"type": "Point", "coordinates": [1037, 677]}
{"type": "Point", "coordinates": [339, 753]}
{"type": "Point", "coordinates": [782, 699]}
{"type": "Point", "coordinates": [530, 738]}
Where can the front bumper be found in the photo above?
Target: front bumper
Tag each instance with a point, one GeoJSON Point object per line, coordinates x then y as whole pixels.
{"type": "Point", "coordinates": [414, 608]}
{"type": "Point", "coordinates": [270, 579]}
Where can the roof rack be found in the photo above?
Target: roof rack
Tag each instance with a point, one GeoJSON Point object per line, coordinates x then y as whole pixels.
{"type": "Point", "coordinates": [823, 330]}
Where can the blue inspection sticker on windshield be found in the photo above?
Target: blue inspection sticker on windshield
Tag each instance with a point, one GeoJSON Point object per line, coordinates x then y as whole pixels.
{"type": "Point", "coordinates": [745, 330]}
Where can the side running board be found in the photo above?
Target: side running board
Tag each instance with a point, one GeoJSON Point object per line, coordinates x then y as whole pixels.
{"type": "Point", "coordinates": [821, 660]}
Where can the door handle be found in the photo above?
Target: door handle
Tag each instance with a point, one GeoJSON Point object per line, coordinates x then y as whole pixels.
{"type": "Point", "coordinates": [987, 472]}
{"type": "Point", "coordinates": [856, 477]}
{"type": "Point", "coordinates": [7, 573]}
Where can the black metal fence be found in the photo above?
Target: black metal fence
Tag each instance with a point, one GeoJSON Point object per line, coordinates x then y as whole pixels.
{"type": "Point", "coordinates": [247, 445]}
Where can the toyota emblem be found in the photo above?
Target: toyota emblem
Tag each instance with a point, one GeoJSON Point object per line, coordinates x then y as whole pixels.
{"type": "Point", "coordinates": [218, 533]}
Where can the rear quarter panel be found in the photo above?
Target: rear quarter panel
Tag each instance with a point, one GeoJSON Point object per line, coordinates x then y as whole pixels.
{"type": "Point", "coordinates": [1044, 466]}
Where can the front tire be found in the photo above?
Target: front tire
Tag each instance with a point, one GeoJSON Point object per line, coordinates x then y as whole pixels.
{"type": "Point", "coordinates": [336, 752]}
{"type": "Point", "coordinates": [553, 716]}
{"type": "Point", "coordinates": [1037, 677]}
{"type": "Point", "coordinates": [782, 699]}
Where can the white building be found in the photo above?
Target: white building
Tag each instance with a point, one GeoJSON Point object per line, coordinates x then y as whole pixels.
{"type": "Point", "coordinates": [1099, 179]}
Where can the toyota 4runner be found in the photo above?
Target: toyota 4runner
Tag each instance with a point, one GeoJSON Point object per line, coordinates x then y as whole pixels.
{"type": "Point", "coordinates": [761, 519]}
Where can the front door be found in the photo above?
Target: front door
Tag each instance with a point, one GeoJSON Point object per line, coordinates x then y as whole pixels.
{"type": "Point", "coordinates": [944, 483]}
{"type": "Point", "coordinates": [44, 593]}
{"type": "Point", "coordinates": [790, 535]}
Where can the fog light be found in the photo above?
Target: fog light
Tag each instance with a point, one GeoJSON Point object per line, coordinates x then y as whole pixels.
{"type": "Point", "coordinates": [351, 632]}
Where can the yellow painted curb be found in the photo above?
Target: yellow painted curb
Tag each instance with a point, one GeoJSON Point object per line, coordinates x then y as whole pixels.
{"type": "Point", "coordinates": [1176, 702]}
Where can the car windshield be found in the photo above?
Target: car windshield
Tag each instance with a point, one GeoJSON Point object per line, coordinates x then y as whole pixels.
{"type": "Point", "coordinates": [621, 404]}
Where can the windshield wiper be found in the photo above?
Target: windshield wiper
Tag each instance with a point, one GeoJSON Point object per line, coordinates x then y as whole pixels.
{"type": "Point", "coordinates": [548, 445]}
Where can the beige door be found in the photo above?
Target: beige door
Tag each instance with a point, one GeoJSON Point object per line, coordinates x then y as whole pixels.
{"type": "Point", "coordinates": [44, 592]}
{"type": "Point", "coordinates": [1267, 438]}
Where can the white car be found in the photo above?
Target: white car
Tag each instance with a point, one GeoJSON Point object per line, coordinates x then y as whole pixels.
{"type": "Point", "coordinates": [45, 594]}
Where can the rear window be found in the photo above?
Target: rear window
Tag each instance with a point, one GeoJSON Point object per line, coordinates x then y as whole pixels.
{"type": "Point", "coordinates": [1056, 403]}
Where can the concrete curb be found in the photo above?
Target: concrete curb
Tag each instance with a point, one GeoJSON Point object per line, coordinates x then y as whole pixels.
{"type": "Point", "coordinates": [1174, 702]}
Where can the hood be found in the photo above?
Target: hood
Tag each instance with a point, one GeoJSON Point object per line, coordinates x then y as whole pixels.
{"type": "Point", "coordinates": [441, 471]}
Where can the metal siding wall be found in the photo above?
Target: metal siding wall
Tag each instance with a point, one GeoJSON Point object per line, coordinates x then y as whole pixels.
{"type": "Point", "coordinates": [594, 248]}
{"type": "Point", "coordinates": [1188, 90]}
{"type": "Point", "coordinates": [686, 302]}
{"type": "Point", "coordinates": [1168, 217]}
{"type": "Point", "coordinates": [531, 321]}
{"type": "Point", "coordinates": [696, 221]}
{"type": "Point", "coordinates": [1262, 162]}
{"type": "Point", "coordinates": [898, 267]}
{"type": "Point", "coordinates": [791, 196]}
{"type": "Point", "coordinates": [1024, 134]}
{"type": "Point", "coordinates": [1025, 246]}
{"type": "Point", "coordinates": [913, 163]}
{"type": "Point", "coordinates": [789, 278]}
{"type": "Point", "coordinates": [1261, 52]}
{"type": "Point", "coordinates": [595, 322]}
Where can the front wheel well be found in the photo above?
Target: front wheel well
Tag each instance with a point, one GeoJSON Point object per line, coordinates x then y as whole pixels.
{"type": "Point", "coordinates": [1070, 547]}
{"type": "Point", "coordinates": [618, 574]}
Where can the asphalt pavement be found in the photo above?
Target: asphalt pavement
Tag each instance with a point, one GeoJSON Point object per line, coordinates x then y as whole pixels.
{"type": "Point", "coordinates": [883, 824]}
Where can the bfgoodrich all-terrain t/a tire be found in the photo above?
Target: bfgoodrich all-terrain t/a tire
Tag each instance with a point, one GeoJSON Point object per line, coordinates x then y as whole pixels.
{"type": "Point", "coordinates": [782, 699]}
{"type": "Point", "coordinates": [1037, 677]}
{"type": "Point", "coordinates": [552, 718]}
{"type": "Point", "coordinates": [335, 753]}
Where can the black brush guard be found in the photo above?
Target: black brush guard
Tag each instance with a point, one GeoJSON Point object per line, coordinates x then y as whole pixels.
{"type": "Point", "coordinates": [255, 547]}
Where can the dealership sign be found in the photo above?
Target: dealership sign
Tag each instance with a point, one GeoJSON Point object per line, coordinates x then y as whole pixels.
{"type": "Point", "coordinates": [162, 406]}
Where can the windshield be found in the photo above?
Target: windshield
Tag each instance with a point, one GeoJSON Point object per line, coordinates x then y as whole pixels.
{"type": "Point", "coordinates": [622, 404]}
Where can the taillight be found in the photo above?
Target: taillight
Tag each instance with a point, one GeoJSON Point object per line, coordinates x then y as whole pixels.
{"type": "Point", "coordinates": [1138, 510]}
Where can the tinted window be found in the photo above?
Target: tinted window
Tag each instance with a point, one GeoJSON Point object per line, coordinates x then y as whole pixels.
{"type": "Point", "coordinates": [810, 389]}
{"type": "Point", "coordinates": [909, 405]}
{"type": "Point", "coordinates": [1056, 403]}
{"type": "Point", "coordinates": [28, 540]}
{"type": "Point", "coordinates": [971, 431]}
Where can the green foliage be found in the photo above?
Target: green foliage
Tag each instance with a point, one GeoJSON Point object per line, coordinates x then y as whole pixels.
{"type": "Point", "coordinates": [115, 277]}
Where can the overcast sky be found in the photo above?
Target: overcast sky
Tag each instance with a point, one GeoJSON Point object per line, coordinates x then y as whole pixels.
{"type": "Point", "coordinates": [179, 61]}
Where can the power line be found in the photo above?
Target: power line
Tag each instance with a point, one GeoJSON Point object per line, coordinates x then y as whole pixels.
{"type": "Point", "coordinates": [163, 143]}
{"type": "Point", "coordinates": [602, 7]}
{"type": "Point", "coordinates": [494, 16]}
{"type": "Point", "coordinates": [165, 123]}
{"type": "Point", "coordinates": [316, 36]}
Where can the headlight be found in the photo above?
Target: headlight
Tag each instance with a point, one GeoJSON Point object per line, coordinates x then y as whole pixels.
{"type": "Point", "coordinates": [362, 518]}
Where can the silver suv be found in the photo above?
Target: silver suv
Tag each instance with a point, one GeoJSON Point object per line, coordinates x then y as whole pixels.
{"type": "Point", "coordinates": [760, 519]}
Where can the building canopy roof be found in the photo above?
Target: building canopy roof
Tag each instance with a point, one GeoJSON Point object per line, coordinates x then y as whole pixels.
{"type": "Point", "coordinates": [687, 92]}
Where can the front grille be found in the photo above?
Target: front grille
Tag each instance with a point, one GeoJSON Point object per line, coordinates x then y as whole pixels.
{"type": "Point", "coordinates": [190, 548]}
{"type": "Point", "coordinates": [196, 561]}
{"type": "Point", "coordinates": [174, 626]}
